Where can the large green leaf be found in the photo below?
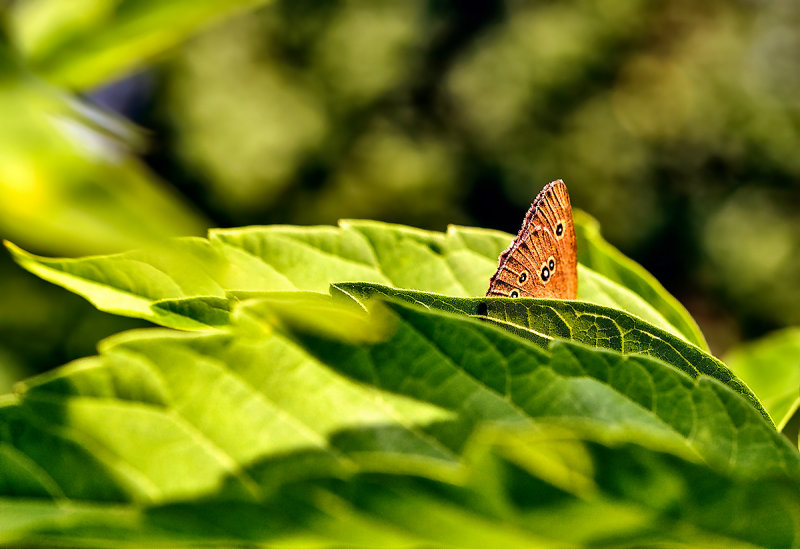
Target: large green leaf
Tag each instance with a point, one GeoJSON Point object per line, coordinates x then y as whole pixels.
{"type": "Point", "coordinates": [542, 320]}
{"type": "Point", "coordinates": [283, 431]}
{"type": "Point", "coordinates": [771, 368]}
{"type": "Point", "coordinates": [85, 43]}
{"type": "Point", "coordinates": [458, 262]}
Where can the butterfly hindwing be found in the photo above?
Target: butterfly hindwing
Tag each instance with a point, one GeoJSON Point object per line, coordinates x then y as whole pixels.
{"type": "Point", "coordinates": [542, 260]}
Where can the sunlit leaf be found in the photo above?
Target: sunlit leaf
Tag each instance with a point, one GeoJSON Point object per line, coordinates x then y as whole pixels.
{"type": "Point", "coordinates": [292, 435]}
{"type": "Point", "coordinates": [771, 368]}
{"type": "Point", "coordinates": [278, 258]}
{"type": "Point", "coordinates": [543, 320]}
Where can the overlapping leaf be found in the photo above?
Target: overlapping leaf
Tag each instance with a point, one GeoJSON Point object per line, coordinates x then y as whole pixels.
{"type": "Point", "coordinates": [543, 320]}
{"type": "Point", "coordinates": [521, 509]}
{"type": "Point", "coordinates": [309, 422]}
{"type": "Point", "coordinates": [277, 258]}
{"type": "Point", "coordinates": [282, 431]}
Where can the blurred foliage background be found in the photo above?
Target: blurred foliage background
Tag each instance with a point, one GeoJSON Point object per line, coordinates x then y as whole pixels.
{"type": "Point", "coordinates": [676, 124]}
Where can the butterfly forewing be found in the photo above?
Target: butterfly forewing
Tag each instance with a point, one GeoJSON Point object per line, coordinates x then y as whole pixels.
{"type": "Point", "coordinates": [542, 260]}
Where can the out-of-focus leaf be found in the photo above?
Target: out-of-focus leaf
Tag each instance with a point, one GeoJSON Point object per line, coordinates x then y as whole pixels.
{"type": "Point", "coordinates": [277, 258]}
{"type": "Point", "coordinates": [290, 435]}
{"type": "Point", "coordinates": [771, 368]}
{"type": "Point", "coordinates": [543, 320]}
{"type": "Point", "coordinates": [505, 496]}
{"type": "Point", "coordinates": [84, 43]}
{"type": "Point", "coordinates": [599, 255]}
{"type": "Point", "coordinates": [339, 319]}
{"type": "Point", "coordinates": [69, 182]}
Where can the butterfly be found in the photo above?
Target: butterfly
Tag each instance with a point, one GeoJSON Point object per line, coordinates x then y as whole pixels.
{"type": "Point", "coordinates": [542, 261]}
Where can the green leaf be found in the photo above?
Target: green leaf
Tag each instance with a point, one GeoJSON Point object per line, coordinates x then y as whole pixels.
{"type": "Point", "coordinates": [542, 320]}
{"type": "Point", "coordinates": [292, 434]}
{"type": "Point", "coordinates": [488, 358]}
{"type": "Point", "coordinates": [771, 368]}
{"type": "Point", "coordinates": [278, 258]}
{"type": "Point", "coordinates": [597, 289]}
{"type": "Point", "coordinates": [695, 504]}
{"type": "Point", "coordinates": [69, 180]}
{"type": "Point", "coordinates": [86, 43]}
{"type": "Point", "coordinates": [503, 496]}
{"type": "Point", "coordinates": [130, 283]}
{"type": "Point", "coordinates": [306, 257]}
{"type": "Point", "coordinates": [599, 255]}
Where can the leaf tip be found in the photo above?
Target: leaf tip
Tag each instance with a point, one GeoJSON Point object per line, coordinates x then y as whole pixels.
{"type": "Point", "coordinates": [13, 248]}
{"type": "Point", "coordinates": [22, 257]}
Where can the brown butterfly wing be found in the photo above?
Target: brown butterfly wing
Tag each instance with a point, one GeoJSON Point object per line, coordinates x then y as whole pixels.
{"type": "Point", "coordinates": [542, 260]}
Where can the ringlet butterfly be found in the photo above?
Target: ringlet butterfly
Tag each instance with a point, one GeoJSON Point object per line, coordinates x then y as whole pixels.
{"type": "Point", "coordinates": [542, 261]}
